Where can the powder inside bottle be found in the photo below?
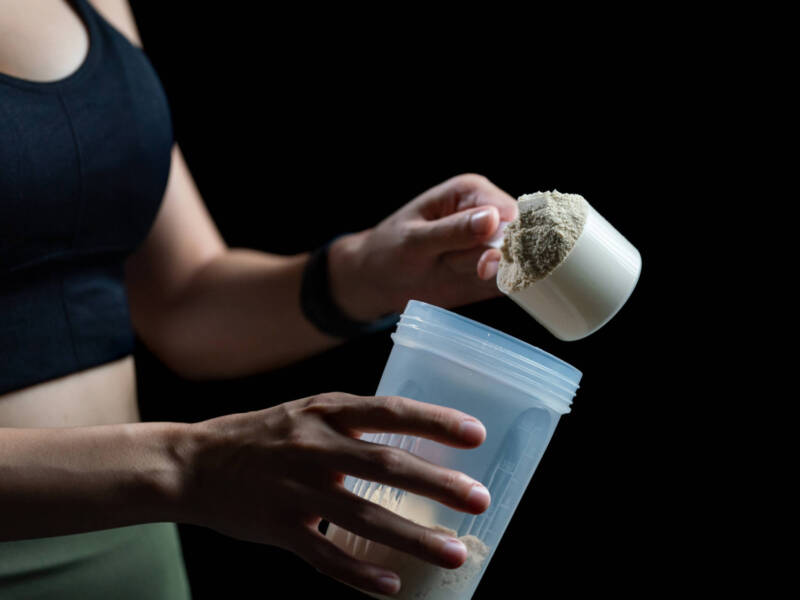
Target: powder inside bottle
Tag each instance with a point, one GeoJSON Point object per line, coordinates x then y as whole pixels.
{"type": "Point", "coordinates": [420, 579]}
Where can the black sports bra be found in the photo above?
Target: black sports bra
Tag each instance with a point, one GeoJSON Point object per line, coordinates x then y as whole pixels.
{"type": "Point", "coordinates": [83, 167]}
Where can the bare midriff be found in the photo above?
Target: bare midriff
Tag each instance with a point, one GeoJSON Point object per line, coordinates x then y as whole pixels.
{"type": "Point", "coordinates": [102, 395]}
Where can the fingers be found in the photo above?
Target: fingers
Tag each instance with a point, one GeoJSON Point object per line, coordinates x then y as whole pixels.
{"type": "Point", "coordinates": [372, 521]}
{"type": "Point", "coordinates": [483, 261]}
{"type": "Point", "coordinates": [396, 414]}
{"type": "Point", "coordinates": [463, 192]}
{"type": "Point", "coordinates": [460, 213]}
{"type": "Point", "coordinates": [488, 264]}
{"type": "Point", "coordinates": [404, 470]}
{"type": "Point", "coordinates": [458, 231]}
{"type": "Point", "coordinates": [480, 191]}
{"type": "Point", "coordinates": [325, 556]}
{"type": "Point", "coordinates": [463, 262]}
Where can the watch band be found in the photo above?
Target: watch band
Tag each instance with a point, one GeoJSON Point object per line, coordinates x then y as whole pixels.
{"type": "Point", "coordinates": [319, 307]}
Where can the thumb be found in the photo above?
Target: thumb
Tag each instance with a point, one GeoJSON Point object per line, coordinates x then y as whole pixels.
{"type": "Point", "coordinates": [461, 230]}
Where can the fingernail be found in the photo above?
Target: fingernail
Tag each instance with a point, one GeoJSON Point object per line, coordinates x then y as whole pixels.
{"type": "Point", "coordinates": [491, 268]}
{"type": "Point", "coordinates": [454, 550]}
{"type": "Point", "coordinates": [388, 584]}
{"type": "Point", "coordinates": [472, 430]}
{"type": "Point", "coordinates": [481, 221]}
{"type": "Point", "coordinates": [479, 496]}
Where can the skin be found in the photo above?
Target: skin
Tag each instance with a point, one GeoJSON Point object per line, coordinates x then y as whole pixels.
{"type": "Point", "coordinates": [204, 309]}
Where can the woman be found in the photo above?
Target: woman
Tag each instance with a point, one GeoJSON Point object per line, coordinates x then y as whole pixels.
{"type": "Point", "coordinates": [103, 233]}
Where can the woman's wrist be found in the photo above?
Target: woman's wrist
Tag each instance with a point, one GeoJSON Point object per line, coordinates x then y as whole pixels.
{"type": "Point", "coordinates": [164, 480]}
{"type": "Point", "coordinates": [353, 291]}
{"type": "Point", "coordinates": [179, 489]}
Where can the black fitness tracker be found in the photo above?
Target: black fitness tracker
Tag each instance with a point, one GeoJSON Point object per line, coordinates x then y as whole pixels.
{"type": "Point", "coordinates": [319, 307]}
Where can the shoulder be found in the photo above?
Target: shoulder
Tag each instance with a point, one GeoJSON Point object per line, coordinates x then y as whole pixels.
{"type": "Point", "coordinates": [120, 15]}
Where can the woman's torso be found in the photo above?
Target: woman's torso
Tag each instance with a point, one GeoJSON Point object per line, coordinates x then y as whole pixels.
{"type": "Point", "coordinates": [65, 332]}
{"type": "Point", "coordinates": [45, 41]}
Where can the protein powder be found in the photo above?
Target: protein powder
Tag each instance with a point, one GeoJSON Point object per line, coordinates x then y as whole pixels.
{"type": "Point", "coordinates": [539, 239]}
{"type": "Point", "coordinates": [565, 264]}
{"type": "Point", "coordinates": [419, 579]}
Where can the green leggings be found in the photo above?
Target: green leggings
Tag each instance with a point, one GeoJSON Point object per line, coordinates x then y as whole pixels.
{"type": "Point", "coordinates": [136, 562]}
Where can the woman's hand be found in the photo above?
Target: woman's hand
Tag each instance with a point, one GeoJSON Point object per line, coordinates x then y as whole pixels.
{"type": "Point", "coordinates": [432, 249]}
{"type": "Point", "coordinates": [271, 476]}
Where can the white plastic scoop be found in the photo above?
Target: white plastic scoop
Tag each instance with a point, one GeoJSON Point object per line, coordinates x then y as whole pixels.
{"type": "Point", "coordinates": [590, 285]}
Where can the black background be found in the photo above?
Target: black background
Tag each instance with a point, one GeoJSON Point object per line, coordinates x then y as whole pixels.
{"type": "Point", "coordinates": [278, 119]}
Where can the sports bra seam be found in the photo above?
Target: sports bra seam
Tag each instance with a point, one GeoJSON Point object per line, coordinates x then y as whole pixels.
{"type": "Point", "coordinates": [79, 158]}
{"type": "Point", "coordinates": [79, 219]}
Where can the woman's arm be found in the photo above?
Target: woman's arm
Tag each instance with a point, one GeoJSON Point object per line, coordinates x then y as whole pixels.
{"type": "Point", "coordinates": [58, 481]}
{"type": "Point", "coordinates": [209, 311]}
{"type": "Point", "coordinates": [267, 476]}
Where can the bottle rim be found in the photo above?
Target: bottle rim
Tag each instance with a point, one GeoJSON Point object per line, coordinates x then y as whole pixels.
{"type": "Point", "coordinates": [490, 352]}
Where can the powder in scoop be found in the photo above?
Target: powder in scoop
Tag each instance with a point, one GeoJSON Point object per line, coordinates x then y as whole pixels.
{"type": "Point", "coordinates": [539, 239]}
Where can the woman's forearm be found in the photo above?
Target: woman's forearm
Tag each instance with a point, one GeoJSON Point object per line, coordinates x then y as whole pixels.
{"type": "Point", "coordinates": [57, 481]}
{"type": "Point", "coordinates": [239, 315]}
